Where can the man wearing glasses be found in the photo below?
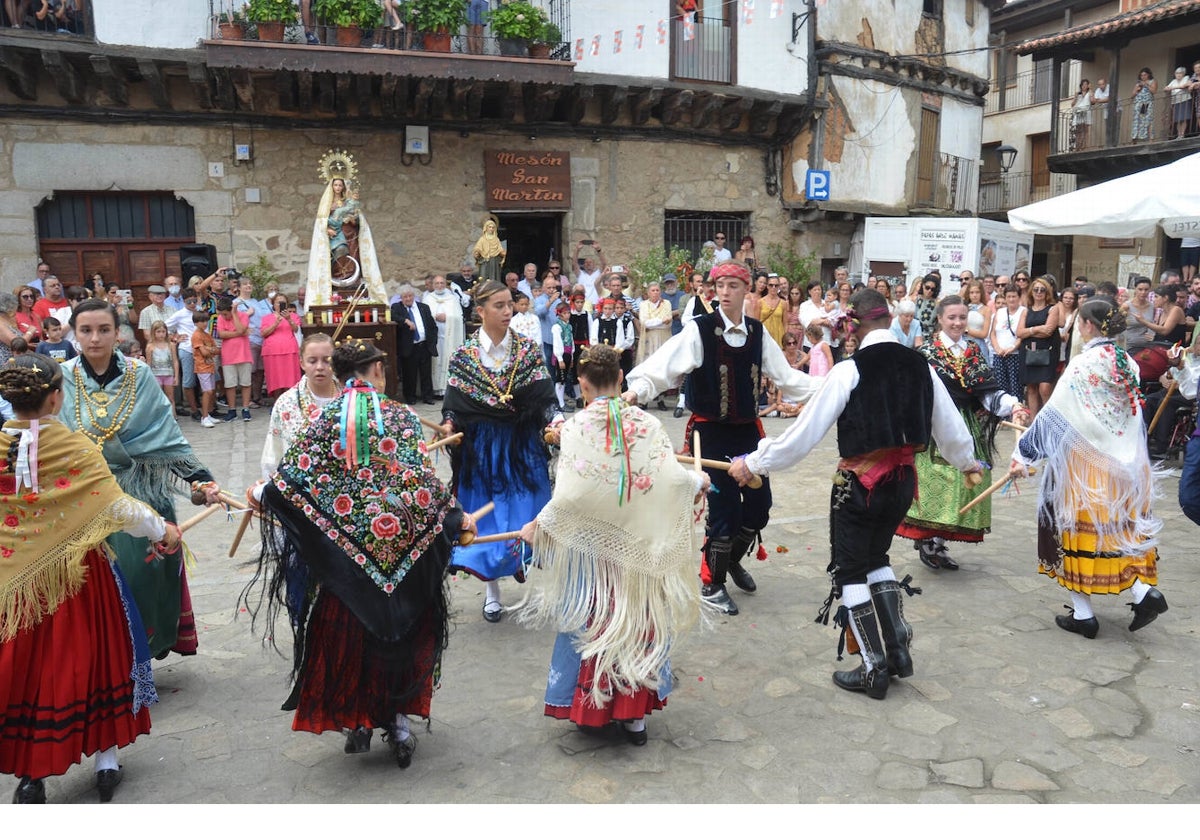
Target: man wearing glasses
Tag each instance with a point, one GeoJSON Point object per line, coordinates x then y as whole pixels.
{"type": "Point", "coordinates": [720, 253]}
{"type": "Point", "coordinates": [43, 271]}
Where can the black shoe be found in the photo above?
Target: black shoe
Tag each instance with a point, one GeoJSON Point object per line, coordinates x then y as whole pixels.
{"type": "Point", "coordinates": [358, 741]}
{"type": "Point", "coordinates": [1086, 627]}
{"type": "Point", "coordinates": [742, 578]}
{"type": "Point", "coordinates": [182, 412]}
{"type": "Point", "coordinates": [593, 731]}
{"type": "Point", "coordinates": [30, 792]}
{"type": "Point", "coordinates": [567, 408]}
{"type": "Point", "coordinates": [430, 401]}
{"type": "Point", "coordinates": [492, 616]}
{"type": "Point", "coordinates": [945, 560]}
{"type": "Point", "coordinates": [107, 781]}
{"type": "Point", "coordinates": [896, 631]}
{"type": "Point", "coordinates": [929, 558]}
{"type": "Point", "coordinates": [662, 406]}
{"type": "Point", "coordinates": [872, 683]}
{"type": "Point", "coordinates": [1150, 608]}
{"type": "Point", "coordinates": [719, 598]}
{"type": "Point", "coordinates": [678, 412]}
{"type": "Point", "coordinates": [638, 739]}
{"type": "Point", "coordinates": [402, 751]}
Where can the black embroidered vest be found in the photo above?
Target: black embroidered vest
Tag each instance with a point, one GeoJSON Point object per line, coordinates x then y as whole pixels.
{"type": "Point", "coordinates": [892, 405]}
{"type": "Point", "coordinates": [726, 385]}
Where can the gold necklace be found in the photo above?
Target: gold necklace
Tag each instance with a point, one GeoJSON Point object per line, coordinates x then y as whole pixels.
{"type": "Point", "coordinates": [98, 406]}
{"type": "Point", "coordinates": [505, 395]}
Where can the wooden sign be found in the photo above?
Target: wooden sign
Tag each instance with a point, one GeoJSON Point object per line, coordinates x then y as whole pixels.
{"type": "Point", "coordinates": [527, 180]}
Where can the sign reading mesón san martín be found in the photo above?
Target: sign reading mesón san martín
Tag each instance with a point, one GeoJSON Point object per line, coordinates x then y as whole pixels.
{"type": "Point", "coordinates": [527, 180]}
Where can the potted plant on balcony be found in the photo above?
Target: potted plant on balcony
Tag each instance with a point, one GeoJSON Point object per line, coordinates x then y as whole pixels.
{"type": "Point", "coordinates": [516, 25]}
{"type": "Point", "coordinates": [437, 20]}
{"type": "Point", "coordinates": [546, 40]}
{"type": "Point", "coordinates": [232, 24]}
{"type": "Point", "coordinates": [271, 16]}
{"type": "Point", "coordinates": [349, 17]}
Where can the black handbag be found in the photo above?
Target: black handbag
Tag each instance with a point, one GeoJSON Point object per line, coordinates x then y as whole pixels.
{"type": "Point", "coordinates": [1035, 357]}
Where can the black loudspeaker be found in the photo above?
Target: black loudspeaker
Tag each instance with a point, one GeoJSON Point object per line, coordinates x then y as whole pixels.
{"type": "Point", "coordinates": [197, 260]}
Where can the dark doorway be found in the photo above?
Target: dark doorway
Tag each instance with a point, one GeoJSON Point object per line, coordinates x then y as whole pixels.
{"type": "Point", "coordinates": [532, 238]}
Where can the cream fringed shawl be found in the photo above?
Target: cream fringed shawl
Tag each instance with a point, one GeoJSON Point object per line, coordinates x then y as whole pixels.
{"type": "Point", "coordinates": [1097, 468]}
{"type": "Point", "coordinates": [616, 550]}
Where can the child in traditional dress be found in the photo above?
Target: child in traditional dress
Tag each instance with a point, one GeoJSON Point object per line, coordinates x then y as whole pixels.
{"type": "Point", "coordinates": [615, 546]}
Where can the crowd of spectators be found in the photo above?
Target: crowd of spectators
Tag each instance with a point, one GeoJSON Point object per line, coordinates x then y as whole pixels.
{"type": "Point", "coordinates": [66, 17]}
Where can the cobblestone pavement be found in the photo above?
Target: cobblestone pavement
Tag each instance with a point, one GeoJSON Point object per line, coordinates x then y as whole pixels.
{"type": "Point", "coordinates": [1003, 708]}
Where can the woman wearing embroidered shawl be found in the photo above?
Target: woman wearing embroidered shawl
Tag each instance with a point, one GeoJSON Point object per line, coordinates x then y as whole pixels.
{"type": "Point", "coordinates": [1096, 531]}
{"type": "Point", "coordinates": [934, 518]}
{"type": "Point", "coordinates": [74, 666]}
{"type": "Point", "coordinates": [357, 503]}
{"type": "Point", "coordinates": [500, 395]}
{"type": "Point", "coordinates": [616, 549]}
{"type": "Point", "coordinates": [117, 404]}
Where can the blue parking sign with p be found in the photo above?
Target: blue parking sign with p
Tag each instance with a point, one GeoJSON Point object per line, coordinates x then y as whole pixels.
{"type": "Point", "coordinates": [816, 185]}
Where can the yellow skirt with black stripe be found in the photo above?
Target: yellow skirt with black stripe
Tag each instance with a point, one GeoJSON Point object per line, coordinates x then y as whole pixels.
{"type": "Point", "coordinates": [1079, 564]}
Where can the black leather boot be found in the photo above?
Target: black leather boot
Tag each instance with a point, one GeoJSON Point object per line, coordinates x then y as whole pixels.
{"type": "Point", "coordinates": [30, 792]}
{"type": "Point", "coordinates": [742, 542]}
{"type": "Point", "coordinates": [716, 557]}
{"type": "Point", "coordinates": [897, 632]}
{"type": "Point", "coordinates": [873, 682]}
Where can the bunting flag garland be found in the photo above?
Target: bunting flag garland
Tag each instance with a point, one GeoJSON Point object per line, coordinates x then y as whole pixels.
{"type": "Point", "coordinates": [617, 41]}
{"type": "Point", "coordinates": [689, 28]}
{"type": "Point", "coordinates": [596, 45]}
{"type": "Point", "coordinates": [776, 8]}
{"type": "Point", "coordinates": [638, 33]}
{"type": "Point", "coordinates": [579, 49]}
{"type": "Point", "coordinates": [747, 12]}
{"type": "Point", "coordinates": [662, 33]}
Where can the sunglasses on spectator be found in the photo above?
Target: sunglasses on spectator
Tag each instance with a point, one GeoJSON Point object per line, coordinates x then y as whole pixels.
{"type": "Point", "coordinates": [930, 288]}
{"type": "Point", "coordinates": [556, 266]}
{"type": "Point", "coordinates": [721, 238]}
{"type": "Point", "coordinates": [27, 296]}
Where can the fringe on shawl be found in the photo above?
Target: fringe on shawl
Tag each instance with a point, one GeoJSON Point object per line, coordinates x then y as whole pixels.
{"type": "Point", "coordinates": [1115, 496]}
{"type": "Point", "coordinates": [625, 614]}
{"type": "Point", "coordinates": [156, 480]}
{"type": "Point", "coordinates": [43, 585]}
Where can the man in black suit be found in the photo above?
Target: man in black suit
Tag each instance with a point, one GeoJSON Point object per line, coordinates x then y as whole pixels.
{"type": "Point", "coordinates": [418, 344]}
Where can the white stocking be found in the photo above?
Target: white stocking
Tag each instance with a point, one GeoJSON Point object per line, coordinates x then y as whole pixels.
{"type": "Point", "coordinates": [107, 760]}
{"type": "Point", "coordinates": [1081, 602]}
{"type": "Point", "coordinates": [1140, 588]}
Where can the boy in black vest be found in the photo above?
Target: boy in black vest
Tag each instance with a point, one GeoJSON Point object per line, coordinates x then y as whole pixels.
{"type": "Point", "coordinates": [726, 355]}
{"type": "Point", "coordinates": [887, 402]}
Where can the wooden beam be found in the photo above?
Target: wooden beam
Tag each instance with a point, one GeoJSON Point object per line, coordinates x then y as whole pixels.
{"type": "Point", "coordinates": [304, 91]}
{"type": "Point", "coordinates": [112, 83]}
{"type": "Point", "coordinates": [675, 105]}
{"type": "Point", "coordinates": [387, 97]}
{"type": "Point", "coordinates": [508, 105]}
{"type": "Point", "coordinates": [641, 103]}
{"type": "Point", "coordinates": [460, 91]}
{"type": "Point", "coordinates": [704, 109]}
{"type": "Point", "coordinates": [539, 102]}
{"type": "Point", "coordinates": [440, 101]}
{"type": "Point", "coordinates": [243, 88]}
{"type": "Point", "coordinates": [475, 101]}
{"type": "Point", "coordinates": [198, 77]}
{"type": "Point", "coordinates": [732, 111]}
{"type": "Point", "coordinates": [225, 97]}
{"type": "Point", "coordinates": [285, 90]}
{"type": "Point", "coordinates": [152, 76]}
{"type": "Point", "coordinates": [611, 100]}
{"type": "Point", "coordinates": [341, 85]}
{"type": "Point", "coordinates": [761, 114]}
{"type": "Point", "coordinates": [66, 80]}
{"type": "Point", "coordinates": [424, 91]}
{"type": "Point", "coordinates": [363, 82]}
{"type": "Point", "coordinates": [21, 73]}
{"type": "Point", "coordinates": [577, 101]}
{"type": "Point", "coordinates": [326, 92]}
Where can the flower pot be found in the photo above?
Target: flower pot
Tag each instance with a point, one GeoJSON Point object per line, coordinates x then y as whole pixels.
{"type": "Point", "coordinates": [437, 41]}
{"type": "Point", "coordinates": [270, 30]}
{"type": "Point", "coordinates": [348, 36]}
{"type": "Point", "coordinates": [231, 31]}
{"type": "Point", "coordinates": [513, 46]}
{"type": "Point", "coordinates": [539, 50]}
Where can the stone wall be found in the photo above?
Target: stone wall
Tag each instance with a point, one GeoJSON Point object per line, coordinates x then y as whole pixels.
{"type": "Point", "coordinates": [422, 217]}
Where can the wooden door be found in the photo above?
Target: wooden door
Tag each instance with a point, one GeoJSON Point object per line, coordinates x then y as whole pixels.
{"type": "Point", "coordinates": [1039, 151]}
{"type": "Point", "coordinates": [927, 155]}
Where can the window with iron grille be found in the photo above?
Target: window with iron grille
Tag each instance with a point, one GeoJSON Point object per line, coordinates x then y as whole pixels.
{"type": "Point", "coordinates": [690, 229]}
{"type": "Point", "coordinates": [115, 215]}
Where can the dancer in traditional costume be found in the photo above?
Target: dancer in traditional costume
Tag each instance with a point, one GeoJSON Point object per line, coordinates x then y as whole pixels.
{"type": "Point", "coordinates": [358, 505]}
{"type": "Point", "coordinates": [726, 355]}
{"type": "Point", "coordinates": [117, 404]}
{"type": "Point", "coordinates": [1097, 533]}
{"type": "Point", "coordinates": [934, 518]}
{"type": "Point", "coordinates": [615, 552]}
{"type": "Point", "coordinates": [501, 396]}
{"type": "Point", "coordinates": [887, 403]}
{"type": "Point", "coordinates": [300, 405]}
{"type": "Point", "coordinates": [74, 666]}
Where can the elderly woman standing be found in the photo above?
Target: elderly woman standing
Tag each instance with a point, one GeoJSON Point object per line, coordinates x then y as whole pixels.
{"type": "Point", "coordinates": [655, 315]}
{"type": "Point", "coordinates": [905, 326]}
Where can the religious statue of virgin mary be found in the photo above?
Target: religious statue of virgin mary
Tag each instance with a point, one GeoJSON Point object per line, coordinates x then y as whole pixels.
{"type": "Point", "coordinates": [342, 254]}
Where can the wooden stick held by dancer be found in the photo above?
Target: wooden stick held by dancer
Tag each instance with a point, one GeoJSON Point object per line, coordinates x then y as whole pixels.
{"type": "Point", "coordinates": [1162, 406]}
{"type": "Point", "coordinates": [501, 537]}
{"type": "Point", "coordinates": [446, 441]}
{"type": "Point", "coordinates": [199, 517]}
{"type": "Point", "coordinates": [996, 485]}
{"type": "Point", "coordinates": [1014, 426]}
{"type": "Point", "coordinates": [754, 482]}
{"type": "Point", "coordinates": [466, 537]}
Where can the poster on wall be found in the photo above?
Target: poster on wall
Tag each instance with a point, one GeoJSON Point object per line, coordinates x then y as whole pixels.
{"type": "Point", "coordinates": [999, 257]}
{"type": "Point", "coordinates": [944, 250]}
{"type": "Point", "coordinates": [1130, 266]}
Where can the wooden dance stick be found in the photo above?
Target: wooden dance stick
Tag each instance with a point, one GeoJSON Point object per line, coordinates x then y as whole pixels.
{"type": "Point", "coordinates": [199, 517]}
{"type": "Point", "coordinates": [466, 537]}
{"type": "Point", "coordinates": [1015, 426]}
{"type": "Point", "coordinates": [996, 485]}
{"type": "Point", "coordinates": [358, 294]}
{"type": "Point", "coordinates": [429, 424]}
{"type": "Point", "coordinates": [1161, 406]}
{"type": "Point", "coordinates": [241, 531]}
{"type": "Point", "coordinates": [698, 461]}
{"type": "Point", "coordinates": [724, 466]}
{"type": "Point", "coordinates": [502, 537]}
{"type": "Point", "coordinates": [232, 502]}
{"type": "Point", "coordinates": [446, 441]}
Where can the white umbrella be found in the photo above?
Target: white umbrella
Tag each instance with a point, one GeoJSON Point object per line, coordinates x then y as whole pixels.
{"type": "Point", "coordinates": [1135, 205]}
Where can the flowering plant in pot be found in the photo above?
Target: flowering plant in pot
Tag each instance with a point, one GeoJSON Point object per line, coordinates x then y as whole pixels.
{"type": "Point", "coordinates": [439, 20]}
{"type": "Point", "coordinates": [350, 17]}
{"type": "Point", "coordinates": [232, 24]}
{"type": "Point", "coordinates": [516, 24]}
{"type": "Point", "coordinates": [270, 16]}
{"type": "Point", "coordinates": [545, 41]}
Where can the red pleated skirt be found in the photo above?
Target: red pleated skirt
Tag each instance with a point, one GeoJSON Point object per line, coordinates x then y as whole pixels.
{"type": "Point", "coordinates": [621, 707]}
{"type": "Point", "coordinates": [339, 649]}
{"type": "Point", "coordinates": [65, 684]}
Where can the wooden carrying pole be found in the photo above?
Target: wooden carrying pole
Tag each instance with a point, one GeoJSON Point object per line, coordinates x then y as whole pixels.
{"type": "Point", "coordinates": [755, 482]}
{"type": "Point", "coordinates": [996, 485]}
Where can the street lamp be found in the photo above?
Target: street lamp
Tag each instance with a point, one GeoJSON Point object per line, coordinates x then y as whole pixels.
{"type": "Point", "coordinates": [1007, 155]}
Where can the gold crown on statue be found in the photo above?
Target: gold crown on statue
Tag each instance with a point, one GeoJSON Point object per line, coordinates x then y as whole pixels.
{"type": "Point", "coordinates": [337, 164]}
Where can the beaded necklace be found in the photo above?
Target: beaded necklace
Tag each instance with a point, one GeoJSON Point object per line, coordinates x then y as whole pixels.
{"type": "Point", "coordinates": [504, 394]}
{"type": "Point", "coordinates": [99, 404]}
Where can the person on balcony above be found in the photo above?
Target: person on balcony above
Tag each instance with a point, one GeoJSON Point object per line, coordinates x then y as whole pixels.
{"type": "Point", "coordinates": [1143, 104]}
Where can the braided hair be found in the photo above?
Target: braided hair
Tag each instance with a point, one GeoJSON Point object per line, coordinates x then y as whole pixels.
{"type": "Point", "coordinates": [352, 358]}
{"type": "Point", "coordinates": [27, 380]}
{"type": "Point", "coordinates": [600, 365]}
